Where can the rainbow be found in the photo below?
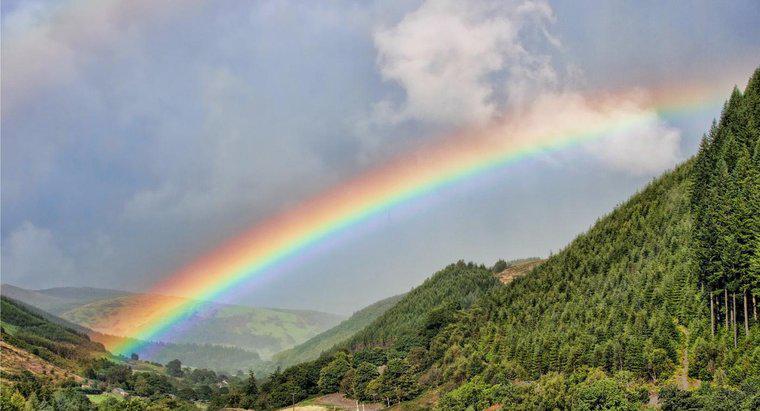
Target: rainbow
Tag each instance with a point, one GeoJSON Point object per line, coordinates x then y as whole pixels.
{"type": "Point", "coordinates": [456, 158]}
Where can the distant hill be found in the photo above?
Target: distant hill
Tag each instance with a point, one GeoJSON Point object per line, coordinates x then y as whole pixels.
{"type": "Point", "coordinates": [216, 357]}
{"type": "Point", "coordinates": [37, 299]}
{"type": "Point", "coordinates": [316, 345]}
{"type": "Point", "coordinates": [83, 294]}
{"type": "Point", "coordinates": [264, 331]}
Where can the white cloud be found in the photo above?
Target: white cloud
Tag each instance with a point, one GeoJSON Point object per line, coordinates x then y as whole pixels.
{"type": "Point", "coordinates": [32, 256]}
{"type": "Point", "coordinates": [631, 138]}
{"type": "Point", "coordinates": [472, 63]}
{"type": "Point", "coordinates": [647, 148]}
{"type": "Point", "coordinates": [451, 57]}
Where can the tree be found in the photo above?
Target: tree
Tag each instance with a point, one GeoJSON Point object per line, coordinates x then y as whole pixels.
{"type": "Point", "coordinates": [365, 373]}
{"type": "Point", "coordinates": [500, 266]}
{"type": "Point", "coordinates": [331, 375]}
{"type": "Point", "coordinates": [251, 388]}
{"type": "Point", "coordinates": [658, 363]}
{"type": "Point", "coordinates": [174, 368]}
{"type": "Point", "coordinates": [134, 356]}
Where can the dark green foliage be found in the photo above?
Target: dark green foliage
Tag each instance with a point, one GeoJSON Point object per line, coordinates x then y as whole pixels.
{"type": "Point", "coordinates": [746, 396]}
{"type": "Point", "coordinates": [365, 373]}
{"type": "Point", "coordinates": [332, 374]}
{"type": "Point", "coordinates": [146, 384]}
{"type": "Point", "coordinates": [725, 202]}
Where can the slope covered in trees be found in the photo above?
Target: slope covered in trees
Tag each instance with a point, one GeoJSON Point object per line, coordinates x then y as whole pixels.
{"type": "Point", "coordinates": [320, 343]}
{"type": "Point", "coordinates": [631, 297]}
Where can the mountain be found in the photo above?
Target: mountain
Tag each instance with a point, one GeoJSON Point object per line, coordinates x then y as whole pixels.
{"type": "Point", "coordinates": [260, 331]}
{"type": "Point", "coordinates": [216, 357]}
{"type": "Point", "coordinates": [352, 331]}
{"type": "Point", "coordinates": [655, 305]}
{"type": "Point", "coordinates": [312, 348]}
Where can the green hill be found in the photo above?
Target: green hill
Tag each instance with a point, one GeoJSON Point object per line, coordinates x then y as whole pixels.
{"type": "Point", "coordinates": [655, 304]}
{"type": "Point", "coordinates": [627, 305]}
{"type": "Point", "coordinates": [320, 343]}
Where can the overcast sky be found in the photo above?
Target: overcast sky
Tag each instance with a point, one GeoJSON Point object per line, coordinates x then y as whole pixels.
{"type": "Point", "coordinates": [137, 135]}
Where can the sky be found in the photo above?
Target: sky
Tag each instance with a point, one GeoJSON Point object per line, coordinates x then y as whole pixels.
{"type": "Point", "coordinates": [138, 135]}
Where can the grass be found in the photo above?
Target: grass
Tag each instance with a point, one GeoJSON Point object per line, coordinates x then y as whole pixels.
{"type": "Point", "coordinates": [98, 398]}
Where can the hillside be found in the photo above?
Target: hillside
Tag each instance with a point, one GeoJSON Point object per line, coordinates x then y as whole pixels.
{"type": "Point", "coordinates": [59, 299]}
{"type": "Point", "coordinates": [316, 345]}
{"type": "Point", "coordinates": [32, 343]}
{"type": "Point", "coordinates": [83, 294]}
{"type": "Point", "coordinates": [655, 304]}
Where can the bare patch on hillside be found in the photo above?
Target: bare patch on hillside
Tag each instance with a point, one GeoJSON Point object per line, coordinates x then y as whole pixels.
{"type": "Point", "coordinates": [518, 270]}
{"type": "Point", "coordinates": [15, 360]}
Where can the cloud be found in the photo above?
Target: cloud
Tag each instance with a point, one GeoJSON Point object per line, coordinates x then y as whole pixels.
{"type": "Point", "coordinates": [32, 255]}
{"type": "Point", "coordinates": [233, 163]}
{"type": "Point", "coordinates": [647, 148]}
{"type": "Point", "coordinates": [471, 63]}
{"type": "Point", "coordinates": [456, 61]}
{"type": "Point", "coordinates": [636, 140]}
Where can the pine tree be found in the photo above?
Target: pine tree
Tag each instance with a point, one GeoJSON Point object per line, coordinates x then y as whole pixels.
{"type": "Point", "coordinates": [753, 280]}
